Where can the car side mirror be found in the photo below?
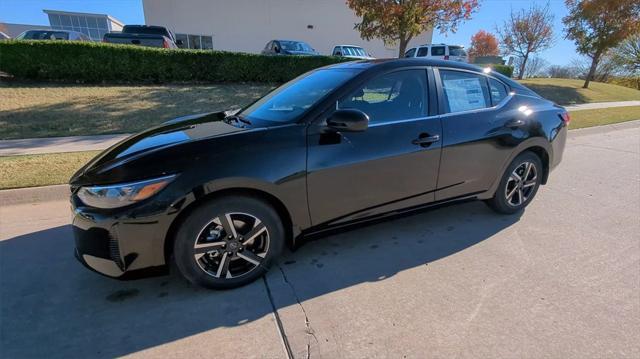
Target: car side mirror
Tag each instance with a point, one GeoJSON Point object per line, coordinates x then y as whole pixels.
{"type": "Point", "coordinates": [348, 120]}
{"type": "Point", "coordinates": [179, 42]}
{"type": "Point", "coordinates": [276, 49]}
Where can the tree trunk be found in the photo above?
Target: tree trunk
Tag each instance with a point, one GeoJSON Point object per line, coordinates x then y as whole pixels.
{"type": "Point", "coordinates": [403, 46]}
{"type": "Point", "coordinates": [522, 66]}
{"type": "Point", "coordinates": [592, 70]}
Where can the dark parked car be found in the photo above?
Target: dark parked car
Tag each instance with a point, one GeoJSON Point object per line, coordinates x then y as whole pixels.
{"type": "Point", "coordinates": [144, 35]}
{"type": "Point", "coordinates": [53, 35]}
{"type": "Point", "coordinates": [222, 193]}
{"type": "Point", "coordinates": [288, 47]}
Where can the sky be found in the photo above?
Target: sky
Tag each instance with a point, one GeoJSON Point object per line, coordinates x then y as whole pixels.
{"type": "Point", "coordinates": [490, 14]}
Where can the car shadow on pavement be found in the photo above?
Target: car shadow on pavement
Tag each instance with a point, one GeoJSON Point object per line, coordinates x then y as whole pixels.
{"type": "Point", "coordinates": [54, 307]}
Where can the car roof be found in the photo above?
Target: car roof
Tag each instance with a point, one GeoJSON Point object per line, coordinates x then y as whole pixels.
{"type": "Point", "coordinates": [288, 40]}
{"type": "Point", "coordinates": [53, 30]}
{"type": "Point", "coordinates": [390, 64]}
{"type": "Point", "coordinates": [349, 46]}
{"type": "Point", "coordinates": [407, 62]}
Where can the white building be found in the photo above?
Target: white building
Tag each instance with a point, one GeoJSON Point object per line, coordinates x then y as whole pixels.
{"type": "Point", "coordinates": [247, 25]}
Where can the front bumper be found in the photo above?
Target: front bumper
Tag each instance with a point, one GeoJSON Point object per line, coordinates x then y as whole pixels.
{"type": "Point", "coordinates": [121, 244]}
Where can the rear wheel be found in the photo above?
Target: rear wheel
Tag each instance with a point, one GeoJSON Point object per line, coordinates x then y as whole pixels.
{"type": "Point", "coordinates": [518, 185]}
{"type": "Point", "coordinates": [228, 242]}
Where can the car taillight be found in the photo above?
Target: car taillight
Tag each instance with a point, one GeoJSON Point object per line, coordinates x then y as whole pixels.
{"type": "Point", "coordinates": [446, 57]}
{"type": "Point", "coordinates": [566, 118]}
{"type": "Point", "coordinates": [165, 43]}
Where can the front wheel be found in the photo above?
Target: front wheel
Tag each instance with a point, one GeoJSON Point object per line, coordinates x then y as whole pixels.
{"type": "Point", "coordinates": [228, 242]}
{"type": "Point", "coordinates": [518, 185]}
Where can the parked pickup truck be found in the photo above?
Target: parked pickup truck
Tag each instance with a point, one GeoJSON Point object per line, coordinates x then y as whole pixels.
{"type": "Point", "coordinates": [144, 35]}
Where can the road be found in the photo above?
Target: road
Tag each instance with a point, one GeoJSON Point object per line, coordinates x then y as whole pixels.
{"type": "Point", "coordinates": [561, 280]}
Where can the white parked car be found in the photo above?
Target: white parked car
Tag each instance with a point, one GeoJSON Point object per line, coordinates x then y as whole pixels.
{"type": "Point", "coordinates": [53, 35]}
{"type": "Point", "coordinates": [351, 51]}
{"type": "Point", "coordinates": [439, 51]}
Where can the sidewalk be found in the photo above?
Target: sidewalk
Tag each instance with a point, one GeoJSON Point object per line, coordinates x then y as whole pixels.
{"type": "Point", "coordinates": [597, 105]}
{"type": "Point", "coordinates": [95, 143]}
{"type": "Point", "coordinates": [30, 146]}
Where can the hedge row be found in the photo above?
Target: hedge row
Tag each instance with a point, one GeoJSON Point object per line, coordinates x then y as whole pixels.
{"type": "Point", "coordinates": [98, 62]}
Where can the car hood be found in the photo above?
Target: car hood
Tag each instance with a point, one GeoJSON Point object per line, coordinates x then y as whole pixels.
{"type": "Point", "coordinates": [170, 134]}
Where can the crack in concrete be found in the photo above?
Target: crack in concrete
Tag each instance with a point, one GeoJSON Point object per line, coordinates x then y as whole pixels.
{"type": "Point", "coordinates": [279, 325]}
{"type": "Point", "coordinates": [309, 329]}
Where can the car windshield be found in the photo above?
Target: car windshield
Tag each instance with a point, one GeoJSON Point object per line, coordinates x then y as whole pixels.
{"type": "Point", "coordinates": [44, 35]}
{"type": "Point", "coordinates": [457, 51]}
{"type": "Point", "coordinates": [292, 99]}
{"type": "Point", "coordinates": [354, 51]}
{"type": "Point", "coordinates": [295, 46]}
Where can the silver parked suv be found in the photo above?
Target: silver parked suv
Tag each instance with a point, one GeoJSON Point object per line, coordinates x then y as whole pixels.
{"type": "Point", "coordinates": [439, 51]}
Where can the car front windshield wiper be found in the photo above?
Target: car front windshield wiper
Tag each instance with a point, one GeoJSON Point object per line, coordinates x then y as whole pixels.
{"type": "Point", "coordinates": [237, 120]}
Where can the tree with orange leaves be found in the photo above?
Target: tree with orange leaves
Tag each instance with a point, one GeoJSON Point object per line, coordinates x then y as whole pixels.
{"type": "Point", "coordinates": [399, 21]}
{"type": "Point", "coordinates": [483, 44]}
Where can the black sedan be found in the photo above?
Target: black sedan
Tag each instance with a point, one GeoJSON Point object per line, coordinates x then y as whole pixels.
{"type": "Point", "coordinates": [223, 193]}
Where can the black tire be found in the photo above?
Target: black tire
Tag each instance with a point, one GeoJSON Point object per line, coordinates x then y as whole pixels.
{"type": "Point", "coordinates": [205, 229]}
{"type": "Point", "coordinates": [512, 196]}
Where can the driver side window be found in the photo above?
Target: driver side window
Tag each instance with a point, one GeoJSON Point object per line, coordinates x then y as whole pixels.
{"type": "Point", "coordinates": [399, 95]}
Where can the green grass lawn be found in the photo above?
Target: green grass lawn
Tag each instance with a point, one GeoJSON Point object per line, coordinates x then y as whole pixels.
{"type": "Point", "coordinates": [569, 92]}
{"type": "Point", "coordinates": [41, 170]}
{"type": "Point", "coordinates": [605, 116]}
{"type": "Point", "coordinates": [48, 110]}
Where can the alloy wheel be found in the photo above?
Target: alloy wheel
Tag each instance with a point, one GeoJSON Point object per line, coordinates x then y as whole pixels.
{"type": "Point", "coordinates": [231, 245]}
{"type": "Point", "coordinates": [521, 183]}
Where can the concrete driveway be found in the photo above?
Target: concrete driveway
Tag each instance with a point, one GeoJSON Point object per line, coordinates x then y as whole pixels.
{"type": "Point", "coordinates": [561, 280]}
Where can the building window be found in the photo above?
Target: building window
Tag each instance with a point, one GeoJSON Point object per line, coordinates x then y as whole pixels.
{"type": "Point", "coordinates": [190, 41]}
{"type": "Point", "coordinates": [92, 26]}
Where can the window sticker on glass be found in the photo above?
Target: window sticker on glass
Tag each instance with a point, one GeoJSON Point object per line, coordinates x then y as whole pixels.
{"type": "Point", "coordinates": [464, 93]}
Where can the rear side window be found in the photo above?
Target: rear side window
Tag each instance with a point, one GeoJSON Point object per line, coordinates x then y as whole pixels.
{"type": "Point", "coordinates": [457, 51]}
{"type": "Point", "coordinates": [464, 91]}
{"type": "Point", "coordinates": [437, 51]}
{"type": "Point", "coordinates": [410, 53]}
{"type": "Point", "coordinates": [423, 51]}
{"type": "Point", "coordinates": [498, 91]}
{"type": "Point", "coordinates": [391, 97]}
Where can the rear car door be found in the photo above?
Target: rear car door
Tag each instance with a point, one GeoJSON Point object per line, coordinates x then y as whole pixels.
{"type": "Point", "coordinates": [392, 164]}
{"type": "Point", "coordinates": [476, 137]}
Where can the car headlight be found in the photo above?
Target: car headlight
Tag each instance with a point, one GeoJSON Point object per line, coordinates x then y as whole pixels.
{"type": "Point", "coordinates": [123, 194]}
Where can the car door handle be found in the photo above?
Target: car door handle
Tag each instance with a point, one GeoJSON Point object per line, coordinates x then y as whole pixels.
{"type": "Point", "coordinates": [425, 140]}
{"type": "Point", "coordinates": [514, 123]}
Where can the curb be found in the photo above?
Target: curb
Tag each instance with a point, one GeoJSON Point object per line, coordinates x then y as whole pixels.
{"type": "Point", "coordinates": [16, 196]}
{"type": "Point", "coordinates": [61, 192]}
{"type": "Point", "coordinates": [578, 132]}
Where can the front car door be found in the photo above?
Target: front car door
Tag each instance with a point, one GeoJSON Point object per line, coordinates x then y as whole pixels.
{"type": "Point", "coordinates": [391, 165]}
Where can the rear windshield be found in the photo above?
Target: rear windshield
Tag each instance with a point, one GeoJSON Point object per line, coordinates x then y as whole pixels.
{"type": "Point", "coordinates": [295, 46]}
{"type": "Point", "coordinates": [144, 30]}
{"type": "Point", "coordinates": [457, 51]}
{"type": "Point", "coordinates": [44, 35]}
